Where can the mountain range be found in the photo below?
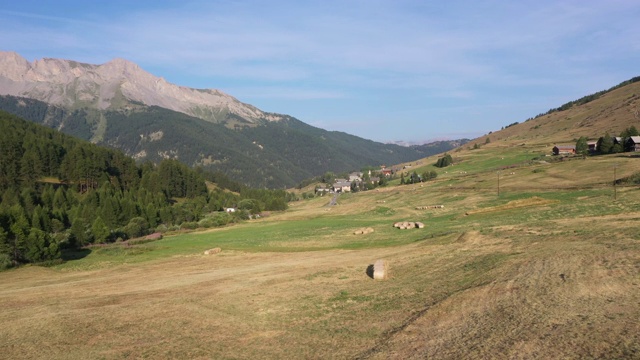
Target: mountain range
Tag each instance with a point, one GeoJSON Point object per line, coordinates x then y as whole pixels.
{"type": "Point", "coordinates": [120, 105]}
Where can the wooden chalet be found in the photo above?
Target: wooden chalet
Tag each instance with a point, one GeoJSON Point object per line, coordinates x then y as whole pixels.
{"type": "Point", "coordinates": [564, 149]}
{"type": "Point", "coordinates": [633, 143]}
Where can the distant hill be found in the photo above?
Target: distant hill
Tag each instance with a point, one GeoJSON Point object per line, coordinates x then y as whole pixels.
{"type": "Point", "coordinates": [591, 116]}
{"type": "Point", "coordinates": [120, 105]}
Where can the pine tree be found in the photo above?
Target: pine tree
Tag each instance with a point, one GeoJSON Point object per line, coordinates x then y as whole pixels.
{"type": "Point", "coordinates": [5, 247]}
{"type": "Point", "coordinates": [31, 167]}
{"type": "Point", "coordinates": [18, 233]}
{"type": "Point", "coordinates": [582, 148]}
{"type": "Point", "coordinates": [100, 231]}
{"type": "Point", "coordinates": [79, 232]}
{"type": "Point", "coordinates": [47, 196]}
{"type": "Point", "coordinates": [605, 144]}
{"type": "Point", "coordinates": [60, 199]}
{"type": "Point", "coordinates": [10, 160]}
{"type": "Point", "coordinates": [40, 247]}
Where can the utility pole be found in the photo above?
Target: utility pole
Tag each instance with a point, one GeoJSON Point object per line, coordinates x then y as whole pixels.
{"type": "Point", "coordinates": [498, 172]}
{"type": "Point", "coordinates": [615, 192]}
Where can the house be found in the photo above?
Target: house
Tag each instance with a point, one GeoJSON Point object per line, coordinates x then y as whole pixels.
{"type": "Point", "coordinates": [564, 149]}
{"type": "Point", "coordinates": [593, 146]}
{"type": "Point", "coordinates": [374, 179]}
{"type": "Point", "coordinates": [633, 143]}
{"type": "Point", "coordinates": [618, 140]}
{"type": "Point", "coordinates": [342, 185]}
{"type": "Point", "coordinates": [230, 210]}
{"type": "Point", "coordinates": [387, 172]}
{"type": "Point", "coordinates": [322, 190]}
{"type": "Point", "coordinates": [355, 176]}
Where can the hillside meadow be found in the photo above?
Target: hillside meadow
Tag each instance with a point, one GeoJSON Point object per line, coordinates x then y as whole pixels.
{"type": "Point", "coordinates": [528, 259]}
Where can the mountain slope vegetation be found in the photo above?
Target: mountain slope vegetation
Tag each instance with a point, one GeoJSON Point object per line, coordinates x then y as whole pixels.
{"type": "Point", "coordinates": [270, 155]}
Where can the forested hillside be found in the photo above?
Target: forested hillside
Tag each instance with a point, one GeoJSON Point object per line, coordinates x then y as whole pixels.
{"type": "Point", "coordinates": [271, 155]}
{"type": "Point", "coordinates": [59, 192]}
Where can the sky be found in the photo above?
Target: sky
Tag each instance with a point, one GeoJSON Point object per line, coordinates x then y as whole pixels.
{"type": "Point", "coordinates": [394, 70]}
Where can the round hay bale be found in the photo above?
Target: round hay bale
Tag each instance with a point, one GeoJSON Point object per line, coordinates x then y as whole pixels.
{"type": "Point", "coordinates": [380, 270]}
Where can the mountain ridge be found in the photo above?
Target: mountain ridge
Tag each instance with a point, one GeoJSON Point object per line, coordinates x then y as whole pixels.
{"type": "Point", "coordinates": [74, 84]}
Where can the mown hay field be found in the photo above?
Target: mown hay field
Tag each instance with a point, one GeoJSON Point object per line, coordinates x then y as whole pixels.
{"type": "Point", "coordinates": [550, 268]}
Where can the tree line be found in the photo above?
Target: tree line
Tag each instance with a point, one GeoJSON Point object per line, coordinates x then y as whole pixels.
{"type": "Point", "coordinates": [58, 192]}
{"type": "Point", "coordinates": [608, 144]}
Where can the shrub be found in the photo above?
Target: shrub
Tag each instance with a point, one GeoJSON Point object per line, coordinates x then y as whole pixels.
{"type": "Point", "coordinates": [136, 227]}
{"type": "Point", "coordinates": [191, 225]}
{"type": "Point", "coordinates": [5, 262]}
{"type": "Point", "coordinates": [632, 179]}
{"type": "Point", "coordinates": [444, 161]}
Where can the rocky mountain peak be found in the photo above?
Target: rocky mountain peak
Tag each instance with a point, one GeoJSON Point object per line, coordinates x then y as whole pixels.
{"type": "Point", "coordinates": [13, 66]}
{"type": "Point", "coordinates": [74, 84]}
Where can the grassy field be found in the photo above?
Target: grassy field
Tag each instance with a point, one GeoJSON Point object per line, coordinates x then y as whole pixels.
{"type": "Point", "coordinates": [549, 268]}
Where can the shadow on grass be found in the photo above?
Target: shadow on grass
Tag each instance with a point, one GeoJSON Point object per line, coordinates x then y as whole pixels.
{"type": "Point", "coordinates": [75, 254]}
{"type": "Point", "coordinates": [370, 271]}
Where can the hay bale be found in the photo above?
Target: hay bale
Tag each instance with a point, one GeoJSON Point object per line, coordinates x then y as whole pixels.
{"type": "Point", "coordinates": [380, 269]}
{"type": "Point", "coordinates": [213, 251]}
{"type": "Point", "coordinates": [419, 225]}
{"type": "Point", "coordinates": [363, 231]}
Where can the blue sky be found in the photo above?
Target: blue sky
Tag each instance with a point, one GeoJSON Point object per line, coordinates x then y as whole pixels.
{"type": "Point", "coordinates": [384, 70]}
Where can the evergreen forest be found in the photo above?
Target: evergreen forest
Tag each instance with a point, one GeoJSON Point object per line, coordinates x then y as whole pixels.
{"type": "Point", "coordinates": [59, 193]}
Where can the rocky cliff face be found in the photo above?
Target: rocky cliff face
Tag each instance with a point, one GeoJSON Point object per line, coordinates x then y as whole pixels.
{"type": "Point", "coordinates": [113, 85]}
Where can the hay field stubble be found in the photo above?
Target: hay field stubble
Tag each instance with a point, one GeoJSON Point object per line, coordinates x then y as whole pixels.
{"type": "Point", "coordinates": [529, 274]}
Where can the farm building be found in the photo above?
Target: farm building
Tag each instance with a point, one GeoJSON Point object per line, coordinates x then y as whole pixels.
{"type": "Point", "coordinates": [564, 149]}
{"type": "Point", "coordinates": [633, 143]}
{"type": "Point", "coordinates": [342, 185]}
{"type": "Point", "coordinates": [355, 176]}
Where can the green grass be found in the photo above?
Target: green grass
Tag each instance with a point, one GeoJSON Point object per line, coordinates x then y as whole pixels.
{"type": "Point", "coordinates": [326, 230]}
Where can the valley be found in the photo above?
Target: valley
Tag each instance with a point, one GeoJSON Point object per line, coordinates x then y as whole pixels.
{"type": "Point", "coordinates": [524, 254]}
{"type": "Point", "coordinates": [548, 268]}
